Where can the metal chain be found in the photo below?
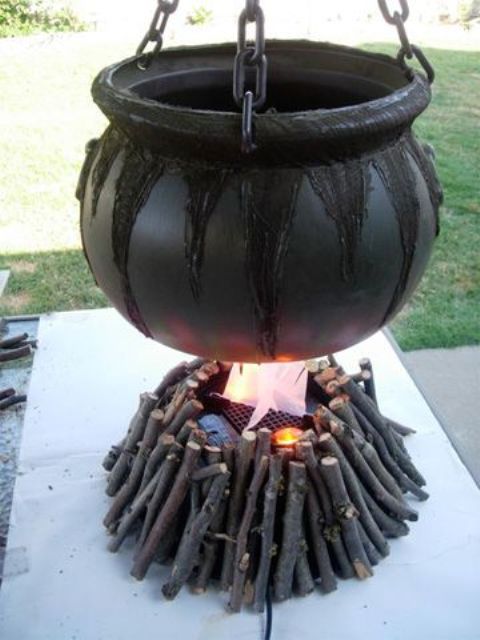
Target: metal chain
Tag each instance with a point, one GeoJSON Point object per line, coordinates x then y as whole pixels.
{"type": "Point", "coordinates": [155, 32]}
{"type": "Point", "coordinates": [250, 57]}
{"type": "Point", "coordinates": [407, 50]}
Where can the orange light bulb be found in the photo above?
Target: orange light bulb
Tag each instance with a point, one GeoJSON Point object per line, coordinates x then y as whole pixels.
{"type": "Point", "coordinates": [286, 437]}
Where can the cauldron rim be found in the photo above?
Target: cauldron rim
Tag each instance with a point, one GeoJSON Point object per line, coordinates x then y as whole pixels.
{"type": "Point", "coordinates": [284, 139]}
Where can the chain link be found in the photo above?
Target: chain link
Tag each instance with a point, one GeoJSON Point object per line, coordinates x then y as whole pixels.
{"type": "Point", "coordinates": [155, 32]}
{"type": "Point", "coordinates": [389, 17]}
{"type": "Point", "coordinates": [252, 7]}
{"type": "Point", "coordinates": [250, 59]}
{"type": "Point", "coordinates": [422, 59]}
{"type": "Point", "coordinates": [407, 50]}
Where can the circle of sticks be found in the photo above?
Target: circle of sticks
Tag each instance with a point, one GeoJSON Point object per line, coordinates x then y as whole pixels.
{"type": "Point", "coordinates": [246, 515]}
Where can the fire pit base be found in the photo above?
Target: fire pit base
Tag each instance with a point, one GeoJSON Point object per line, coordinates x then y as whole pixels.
{"type": "Point", "coordinates": [250, 509]}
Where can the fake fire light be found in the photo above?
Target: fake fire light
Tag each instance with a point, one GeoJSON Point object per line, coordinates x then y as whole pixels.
{"type": "Point", "coordinates": [242, 384]}
{"type": "Point", "coordinates": [287, 437]}
{"type": "Point", "coordinates": [273, 385]}
{"type": "Point", "coordinates": [232, 488]}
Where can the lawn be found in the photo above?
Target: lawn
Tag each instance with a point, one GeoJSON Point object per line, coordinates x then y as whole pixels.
{"type": "Point", "coordinates": [46, 116]}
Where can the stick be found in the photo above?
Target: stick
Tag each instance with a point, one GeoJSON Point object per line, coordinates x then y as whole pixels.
{"type": "Point", "coordinates": [342, 409]}
{"type": "Point", "coordinates": [210, 544]}
{"type": "Point", "coordinates": [135, 434]}
{"type": "Point", "coordinates": [173, 406]}
{"type": "Point", "coordinates": [333, 388]}
{"type": "Point", "coordinates": [32, 342]}
{"type": "Point", "coordinates": [6, 393]}
{"type": "Point", "coordinates": [399, 508]}
{"type": "Point", "coordinates": [186, 431]}
{"type": "Point", "coordinates": [291, 532]}
{"type": "Point", "coordinates": [326, 376]}
{"type": "Point", "coordinates": [178, 531]}
{"type": "Point", "coordinates": [377, 466]}
{"type": "Point", "coordinates": [332, 360]}
{"type": "Point", "coordinates": [328, 443]}
{"type": "Point", "coordinates": [128, 490]}
{"type": "Point", "coordinates": [8, 343]}
{"type": "Point", "coordinates": [316, 521]}
{"type": "Point", "coordinates": [391, 465]}
{"type": "Point", "coordinates": [168, 545]}
{"type": "Point", "coordinates": [133, 513]}
{"type": "Point", "coordinates": [325, 416]}
{"type": "Point", "coordinates": [268, 547]}
{"type": "Point", "coordinates": [368, 381]}
{"type": "Point", "coordinates": [315, 390]}
{"type": "Point", "coordinates": [401, 429]}
{"type": "Point", "coordinates": [263, 447]}
{"type": "Point", "coordinates": [372, 554]}
{"type": "Point", "coordinates": [198, 436]}
{"type": "Point", "coordinates": [390, 526]}
{"type": "Point", "coordinates": [156, 457]}
{"type": "Point", "coordinates": [347, 515]}
{"type": "Point", "coordinates": [357, 377]}
{"type": "Point", "coordinates": [241, 555]}
{"type": "Point", "coordinates": [209, 471]}
{"type": "Point", "coordinates": [15, 354]}
{"type": "Point", "coordinates": [112, 456]}
{"type": "Point", "coordinates": [370, 411]}
{"type": "Point", "coordinates": [167, 473]}
{"type": "Point", "coordinates": [244, 452]}
{"type": "Point", "coordinates": [228, 453]}
{"type": "Point", "coordinates": [312, 366]}
{"type": "Point", "coordinates": [212, 455]}
{"type": "Point", "coordinates": [399, 440]}
{"type": "Point", "coordinates": [170, 508]}
{"type": "Point", "coordinates": [302, 577]}
{"type": "Point", "coordinates": [195, 364]}
{"type": "Point", "coordinates": [171, 377]}
{"type": "Point", "coordinates": [11, 401]}
{"type": "Point", "coordinates": [331, 530]}
{"type": "Point", "coordinates": [190, 544]}
{"type": "Point", "coordinates": [188, 411]}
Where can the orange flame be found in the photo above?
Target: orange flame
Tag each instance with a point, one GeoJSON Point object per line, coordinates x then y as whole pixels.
{"type": "Point", "coordinates": [286, 437]}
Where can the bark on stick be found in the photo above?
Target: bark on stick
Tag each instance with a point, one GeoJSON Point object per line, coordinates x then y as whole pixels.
{"type": "Point", "coordinates": [268, 548]}
{"type": "Point", "coordinates": [190, 544]}
{"type": "Point", "coordinates": [241, 556]}
{"type": "Point", "coordinates": [347, 515]}
{"type": "Point", "coordinates": [244, 454]}
{"type": "Point", "coordinates": [291, 532]}
{"type": "Point", "coordinates": [135, 434]}
{"type": "Point", "coordinates": [169, 510]}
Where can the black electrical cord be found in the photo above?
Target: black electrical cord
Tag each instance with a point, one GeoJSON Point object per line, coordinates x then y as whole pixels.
{"type": "Point", "coordinates": [268, 615]}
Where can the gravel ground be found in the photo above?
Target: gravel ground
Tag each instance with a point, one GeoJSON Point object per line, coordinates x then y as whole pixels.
{"type": "Point", "coordinates": [11, 425]}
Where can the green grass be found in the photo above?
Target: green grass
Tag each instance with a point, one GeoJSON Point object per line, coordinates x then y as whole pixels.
{"type": "Point", "coordinates": [50, 281]}
{"type": "Point", "coordinates": [46, 116]}
{"type": "Point", "coordinates": [445, 309]}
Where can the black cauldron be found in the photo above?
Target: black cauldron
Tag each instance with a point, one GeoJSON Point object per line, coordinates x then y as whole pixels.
{"type": "Point", "coordinates": [306, 246]}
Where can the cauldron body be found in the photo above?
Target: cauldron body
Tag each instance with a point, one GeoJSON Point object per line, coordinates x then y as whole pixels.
{"type": "Point", "coordinates": [304, 247]}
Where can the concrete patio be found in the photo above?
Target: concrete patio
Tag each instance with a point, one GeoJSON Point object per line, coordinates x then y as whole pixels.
{"type": "Point", "coordinates": [449, 379]}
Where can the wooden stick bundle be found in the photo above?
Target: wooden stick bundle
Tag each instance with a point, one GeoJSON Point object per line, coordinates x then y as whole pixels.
{"type": "Point", "coordinates": [248, 515]}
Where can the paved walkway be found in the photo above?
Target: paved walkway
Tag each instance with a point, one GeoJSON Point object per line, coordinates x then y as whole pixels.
{"type": "Point", "coordinates": [450, 381]}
